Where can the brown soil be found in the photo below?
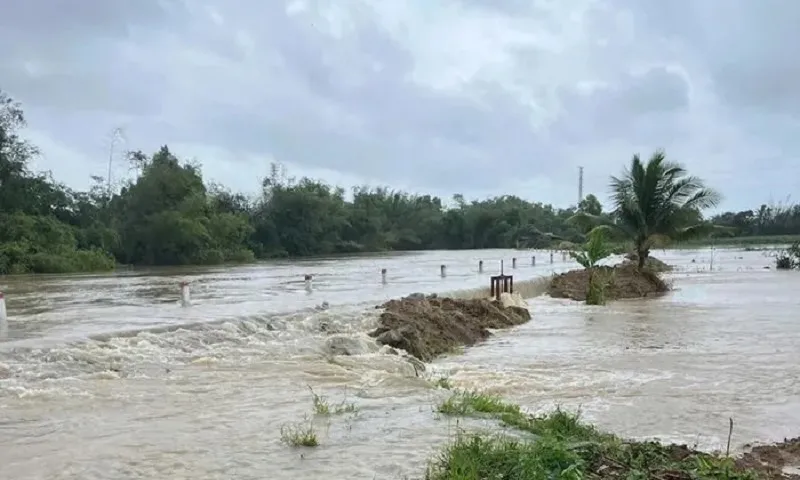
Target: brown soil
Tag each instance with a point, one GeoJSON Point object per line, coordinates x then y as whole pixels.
{"type": "Point", "coordinates": [767, 462]}
{"type": "Point", "coordinates": [427, 327]}
{"type": "Point", "coordinates": [625, 281]}
{"type": "Point", "coordinates": [773, 462]}
{"type": "Point", "coordinates": [653, 264]}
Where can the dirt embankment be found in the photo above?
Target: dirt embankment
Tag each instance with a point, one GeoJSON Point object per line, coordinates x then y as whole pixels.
{"type": "Point", "coordinates": [624, 281]}
{"type": "Point", "coordinates": [775, 461]}
{"type": "Point", "coordinates": [427, 327]}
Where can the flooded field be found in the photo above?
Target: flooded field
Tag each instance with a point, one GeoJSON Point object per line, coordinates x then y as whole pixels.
{"type": "Point", "coordinates": [107, 377]}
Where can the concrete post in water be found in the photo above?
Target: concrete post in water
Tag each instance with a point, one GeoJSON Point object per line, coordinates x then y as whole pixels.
{"type": "Point", "coordinates": [3, 317]}
{"type": "Point", "coordinates": [564, 256]}
{"type": "Point", "coordinates": [514, 262]}
{"type": "Point", "coordinates": [711, 264]}
{"type": "Point", "coordinates": [309, 282]}
{"type": "Point", "coordinates": [186, 296]}
{"type": "Point", "coordinates": [480, 266]}
{"type": "Point", "coordinates": [501, 267]}
{"type": "Point", "coordinates": [383, 276]}
{"type": "Point", "coordinates": [443, 270]}
{"type": "Point", "coordinates": [3, 313]}
{"type": "Point", "coordinates": [533, 261]}
{"type": "Point", "coordinates": [551, 256]}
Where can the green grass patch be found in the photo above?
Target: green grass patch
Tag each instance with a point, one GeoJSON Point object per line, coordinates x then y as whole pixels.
{"type": "Point", "coordinates": [470, 403]}
{"type": "Point", "coordinates": [299, 434]}
{"type": "Point", "coordinates": [561, 446]}
{"type": "Point", "coordinates": [323, 407]}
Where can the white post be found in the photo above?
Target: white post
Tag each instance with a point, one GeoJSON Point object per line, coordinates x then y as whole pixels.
{"type": "Point", "coordinates": [563, 256]}
{"type": "Point", "coordinates": [443, 270]}
{"type": "Point", "coordinates": [309, 279]}
{"type": "Point", "coordinates": [3, 317]}
{"type": "Point", "coordinates": [3, 313]}
{"type": "Point", "coordinates": [480, 266]}
{"type": "Point", "coordinates": [383, 276]}
{"type": "Point", "coordinates": [186, 298]}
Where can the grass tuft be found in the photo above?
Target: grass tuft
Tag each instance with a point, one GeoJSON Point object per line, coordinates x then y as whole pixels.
{"type": "Point", "coordinates": [323, 408]}
{"type": "Point", "coordinates": [299, 434]}
{"type": "Point", "coordinates": [563, 447]}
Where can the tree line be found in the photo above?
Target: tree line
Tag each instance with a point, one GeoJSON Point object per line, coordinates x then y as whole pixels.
{"type": "Point", "coordinates": [168, 215]}
{"type": "Point", "coordinates": [767, 220]}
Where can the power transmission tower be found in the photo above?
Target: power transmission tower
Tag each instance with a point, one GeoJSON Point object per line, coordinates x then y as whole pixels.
{"type": "Point", "coordinates": [117, 135]}
{"type": "Point", "coordinates": [580, 185]}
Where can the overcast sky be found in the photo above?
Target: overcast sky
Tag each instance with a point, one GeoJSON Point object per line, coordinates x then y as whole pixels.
{"type": "Point", "coordinates": [480, 97]}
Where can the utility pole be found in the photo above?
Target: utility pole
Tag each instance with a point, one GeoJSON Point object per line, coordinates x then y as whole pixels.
{"type": "Point", "coordinates": [580, 185]}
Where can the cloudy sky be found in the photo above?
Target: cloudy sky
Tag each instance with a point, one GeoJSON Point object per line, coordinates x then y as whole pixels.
{"type": "Point", "coordinates": [480, 97]}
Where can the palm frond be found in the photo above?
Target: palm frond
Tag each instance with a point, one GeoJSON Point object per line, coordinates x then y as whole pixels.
{"type": "Point", "coordinates": [654, 200]}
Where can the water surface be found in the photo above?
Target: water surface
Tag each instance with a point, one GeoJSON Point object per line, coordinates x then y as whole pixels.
{"type": "Point", "coordinates": [108, 377]}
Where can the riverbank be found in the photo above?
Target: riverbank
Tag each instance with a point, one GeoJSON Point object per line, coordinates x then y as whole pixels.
{"type": "Point", "coordinates": [560, 445]}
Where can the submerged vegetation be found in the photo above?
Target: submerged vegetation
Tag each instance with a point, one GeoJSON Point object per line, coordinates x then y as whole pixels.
{"type": "Point", "coordinates": [595, 250]}
{"type": "Point", "coordinates": [789, 259]}
{"type": "Point", "coordinates": [560, 445]}
{"type": "Point", "coordinates": [304, 433]}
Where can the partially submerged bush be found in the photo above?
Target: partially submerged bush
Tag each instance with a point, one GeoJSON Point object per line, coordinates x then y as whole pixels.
{"type": "Point", "coordinates": [599, 281]}
{"type": "Point", "coordinates": [788, 259]}
{"type": "Point", "coordinates": [590, 254]}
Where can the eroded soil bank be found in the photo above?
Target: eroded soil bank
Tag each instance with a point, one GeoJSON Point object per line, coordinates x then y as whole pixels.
{"type": "Point", "coordinates": [563, 446]}
{"type": "Point", "coordinates": [428, 326]}
{"type": "Point", "coordinates": [775, 461]}
{"type": "Point", "coordinates": [624, 281]}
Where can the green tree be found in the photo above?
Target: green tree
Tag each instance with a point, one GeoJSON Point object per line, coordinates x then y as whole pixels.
{"type": "Point", "coordinates": [591, 205]}
{"type": "Point", "coordinates": [652, 204]}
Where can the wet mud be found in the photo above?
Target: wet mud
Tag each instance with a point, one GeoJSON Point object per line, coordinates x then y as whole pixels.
{"type": "Point", "coordinates": [624, 281]}
{"type": "Point", "coordinates": [429, 326]}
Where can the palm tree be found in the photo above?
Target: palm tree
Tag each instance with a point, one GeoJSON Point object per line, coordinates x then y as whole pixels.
{"type": "Point", "coordinates": [654, 202]}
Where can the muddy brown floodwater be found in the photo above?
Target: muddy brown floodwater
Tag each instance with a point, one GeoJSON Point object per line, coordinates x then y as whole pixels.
{"type": "Point", "coordinates": [106, 377]}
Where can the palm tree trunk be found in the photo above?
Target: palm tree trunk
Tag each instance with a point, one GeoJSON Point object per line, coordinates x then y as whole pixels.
{"type": "Point", "coordinates": [642, 254]}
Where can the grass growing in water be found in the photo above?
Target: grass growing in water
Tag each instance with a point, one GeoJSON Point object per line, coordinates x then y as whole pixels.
{"type": "Point", "coordinates": [323, 407]}
{"type": "Point", "coordinates": [300, 434]}
{"type": "Point", "coordinates": [563, 447]}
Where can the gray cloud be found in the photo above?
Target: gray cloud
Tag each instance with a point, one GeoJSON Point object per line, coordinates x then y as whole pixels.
{"type": "Point", "coordinates": [464, 96]}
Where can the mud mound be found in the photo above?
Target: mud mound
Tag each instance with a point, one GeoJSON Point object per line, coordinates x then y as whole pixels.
{"type": "Point", "coordinates": [426, 327]}
{"type": "Point", "coordinates": [775, 461]}
{"type": "Point", "coordinates": [625, 281]}
{"type": "Point", "coordinates": [653, 264]}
